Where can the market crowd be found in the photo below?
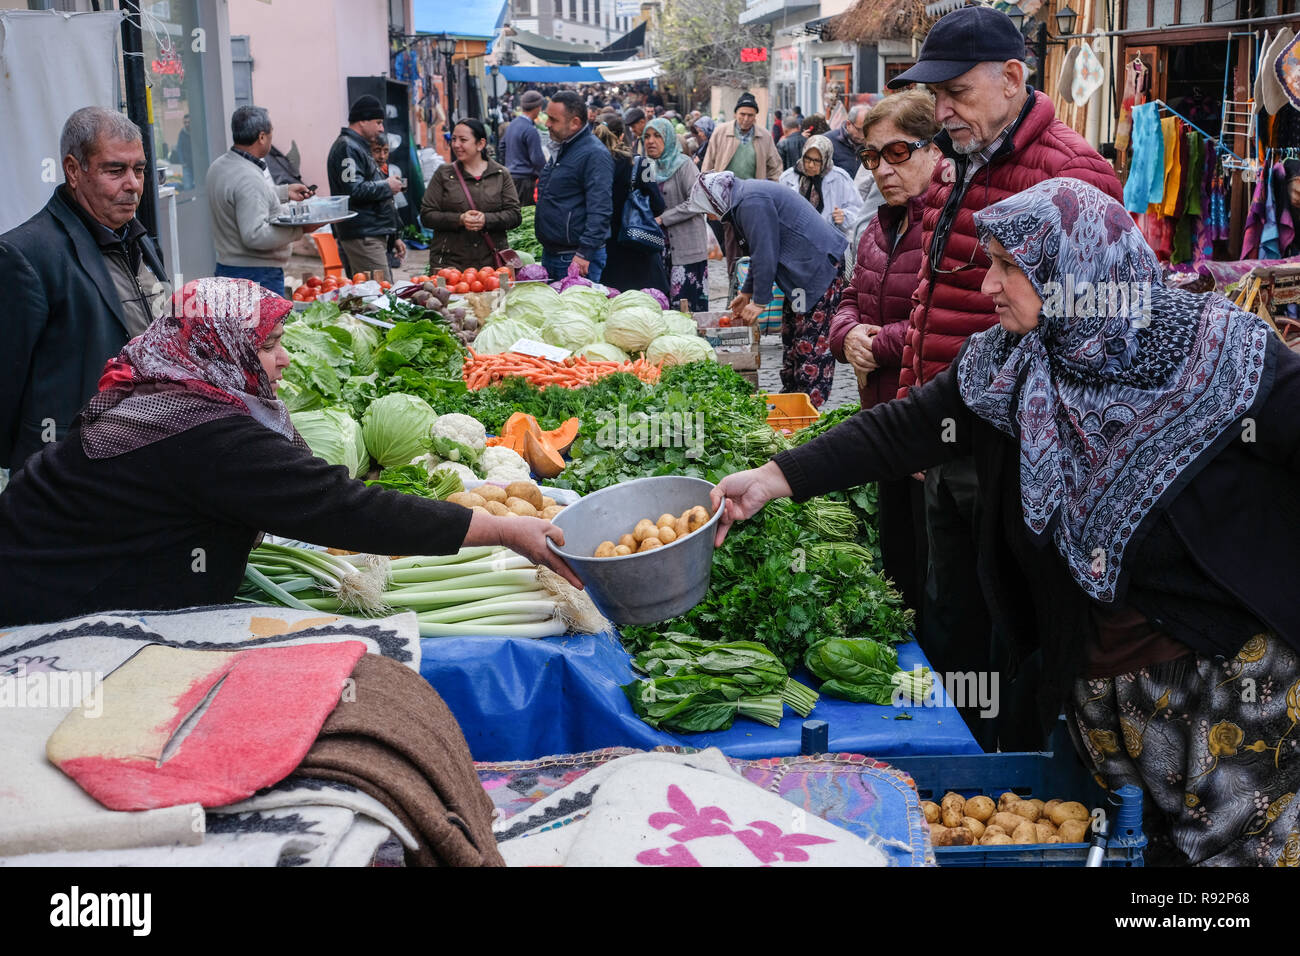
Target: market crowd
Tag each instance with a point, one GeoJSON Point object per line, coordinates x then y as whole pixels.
{"type": "Point", "coordinates": [1066, 500]}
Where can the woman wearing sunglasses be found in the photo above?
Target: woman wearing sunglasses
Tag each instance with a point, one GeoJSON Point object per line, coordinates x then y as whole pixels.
{"type": "Point", "coordinates": [1137, 451]}
{"type": "Point", "coordinates": [830, 190]}
{"type": "Point", "coordinates": [870, 327]}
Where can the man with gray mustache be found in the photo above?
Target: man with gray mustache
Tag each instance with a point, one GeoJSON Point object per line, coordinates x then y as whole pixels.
{"type": "Point", "coordinates": [999, 137]}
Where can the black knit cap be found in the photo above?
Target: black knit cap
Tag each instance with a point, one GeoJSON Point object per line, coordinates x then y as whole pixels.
{"type": "Point", "coordinates": [365, 108]}
{"type": "Point", "coordinates": [747, 99]}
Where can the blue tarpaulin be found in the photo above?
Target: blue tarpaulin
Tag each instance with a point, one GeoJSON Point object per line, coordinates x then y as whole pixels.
{"type": "Point", "coordinates": [551, 74]}
{"type": "Point", "coordinates": [520, 699]}
{"type": "Point", "coordinates": [479, 20]}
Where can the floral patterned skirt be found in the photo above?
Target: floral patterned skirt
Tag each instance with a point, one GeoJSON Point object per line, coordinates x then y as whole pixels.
{"type": "Point", "coordinates": [690, 282]}
{"type": "Point", "coordinates": [1215, 745]}
{"type": "Point", "coordinates": [807, 364]}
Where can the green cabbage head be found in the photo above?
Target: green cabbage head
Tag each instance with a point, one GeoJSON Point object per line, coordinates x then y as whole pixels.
{"type": "Point", "coordinates": [334, 436]}
{"type": "Point", "coordinates": [396, 427]}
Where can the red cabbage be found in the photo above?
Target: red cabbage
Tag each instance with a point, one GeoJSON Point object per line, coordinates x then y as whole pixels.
{"type": "Point", "coordinates": [532, 272]}
{"type": "Point", "coordinates": [658, 297]}
{"type": "Point", "coordinates": [573, 280]}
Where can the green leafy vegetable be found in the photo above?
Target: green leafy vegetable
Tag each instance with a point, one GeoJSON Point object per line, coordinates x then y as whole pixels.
{"type": "Point", "coordinates": [396, 428]}
{"type": "Point", "coordinates": [332, 434]}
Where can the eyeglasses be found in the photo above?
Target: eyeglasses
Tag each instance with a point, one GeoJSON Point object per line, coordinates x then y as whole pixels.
{"type": "Point", "coordinates": [895, 153]}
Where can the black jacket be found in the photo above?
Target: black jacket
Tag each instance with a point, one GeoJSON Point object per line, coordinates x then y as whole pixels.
{"type": "Point", "coordinates": [573, 196]}
{"type": "Point", "coordinates": [791, 148]}
{"type": "Point", "coordinates": [62, 320]}
{"type": "Point", "coordinates": [627, 265]}
{"type": "Point", "coordinates": [170, 525]}
{"type": "Point", "coordinates": [361, 180]}
{"type": "Point", "coordinates": [846, 151]}
{"type": "Point", "coordinates": [1208, 567]}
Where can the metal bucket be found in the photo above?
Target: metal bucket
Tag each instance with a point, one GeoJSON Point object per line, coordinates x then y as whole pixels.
{"type": "Point", "coordinates": [639, 588]}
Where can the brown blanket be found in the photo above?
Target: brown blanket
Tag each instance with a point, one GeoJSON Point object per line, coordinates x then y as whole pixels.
{"type": "Point", "coordinates": [396, 740]}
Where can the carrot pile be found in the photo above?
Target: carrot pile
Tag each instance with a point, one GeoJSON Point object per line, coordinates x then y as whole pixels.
{"type": "Point", "coordinates": [574, 372]}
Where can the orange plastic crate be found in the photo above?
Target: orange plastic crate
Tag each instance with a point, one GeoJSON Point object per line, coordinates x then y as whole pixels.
{"type": "Point", "coordinates": [790, 411]}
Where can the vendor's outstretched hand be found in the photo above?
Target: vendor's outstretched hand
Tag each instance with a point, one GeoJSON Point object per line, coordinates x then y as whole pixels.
{"type": "Point", "coordinates": [743, 495]}
{"type": "Point", "coordinates": [525, 536]}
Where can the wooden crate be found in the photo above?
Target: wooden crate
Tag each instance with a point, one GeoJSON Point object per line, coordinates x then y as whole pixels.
{"type": "Point", "coordinates": [736, 346]}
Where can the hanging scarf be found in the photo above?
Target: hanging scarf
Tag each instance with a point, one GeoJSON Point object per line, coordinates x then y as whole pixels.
{"type": "Point", "coordinates": [711, 194]}
{"type": "Point", "coordinates": [672, 157]}
{"type": "Point", "coordinates": [196, 365]}
{"type": "Point", "coordinates": [810, 187]}
{"type": "Point", "coordinates": [1113, 412]}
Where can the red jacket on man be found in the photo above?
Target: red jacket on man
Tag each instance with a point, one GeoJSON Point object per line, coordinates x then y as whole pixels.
{"type": "Point", "coordinates": [950, 307]}
{"type": "Point", "coordinates": [881, 294]}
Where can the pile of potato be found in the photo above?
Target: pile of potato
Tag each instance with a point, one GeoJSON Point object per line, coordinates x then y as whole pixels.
{"type": "Point", "coordinates": [648, 535]}
{"type": "Point", "coordinates": [978, 821]}
{"type": "Point", "coordinates": [517, 498]}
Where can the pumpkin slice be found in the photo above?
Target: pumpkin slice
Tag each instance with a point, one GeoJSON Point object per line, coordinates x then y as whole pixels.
{"type": "Point", "coordinates": [544, 461]}
{"type": "Point", "coordinates": [561, 439]}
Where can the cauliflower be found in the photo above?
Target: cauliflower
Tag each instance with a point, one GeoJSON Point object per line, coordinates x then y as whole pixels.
{"type": "Point", "coordinates": [502, 464]}
{"type": "Point", "coordinates": [433, 463]}
{"type": "Point", "coordinates": [458, 438]}
{"type": "Point", "coordinates": [465, 429]}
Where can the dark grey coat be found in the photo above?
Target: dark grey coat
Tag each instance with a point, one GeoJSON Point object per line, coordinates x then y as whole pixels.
{"type": "Point", "coordinates": [62, 321]}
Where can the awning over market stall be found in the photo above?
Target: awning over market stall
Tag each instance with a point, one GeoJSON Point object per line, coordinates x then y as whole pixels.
{"type": "Point", "coordinates": [561, 52]}
{"type": "Point", "coordinates": [551, 74]}
{"type": "Point", "coordinates": [479, 20]}
{"type": "Point", "coordinates": [630, 70]}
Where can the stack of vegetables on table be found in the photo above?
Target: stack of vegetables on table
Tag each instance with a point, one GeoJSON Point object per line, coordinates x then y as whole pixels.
{"type": "Point", "coordinates": [475, 592]}
{"type": "Point", "coordinates": [523, 238]}
{"type": "Point", "coordinates": [592, 324]}
{"type": "Point", "coordinates": [790, 577]}
{"type": "Point", "coordinates": [696, 685]}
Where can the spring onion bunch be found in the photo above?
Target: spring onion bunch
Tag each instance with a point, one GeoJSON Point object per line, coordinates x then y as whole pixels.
{"type": "Point", "coordinates": [484, 591]}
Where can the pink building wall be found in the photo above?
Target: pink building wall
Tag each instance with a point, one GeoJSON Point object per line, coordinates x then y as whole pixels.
{"type": "Point", "coordinates": [303, 52]}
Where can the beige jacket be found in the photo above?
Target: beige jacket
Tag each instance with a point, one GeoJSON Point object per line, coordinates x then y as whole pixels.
{"type": "Point", "coordinates": [723, 144]}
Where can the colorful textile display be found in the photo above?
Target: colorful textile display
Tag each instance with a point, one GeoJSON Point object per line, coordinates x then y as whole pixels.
{"type": "Point", "coordinates": [667, 809]}
{"type": "Point", "coordinates": [46, 819]}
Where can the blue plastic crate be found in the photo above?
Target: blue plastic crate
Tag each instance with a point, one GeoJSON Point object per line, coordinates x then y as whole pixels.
{"type": "Point", "coordinates": [1051, 774]}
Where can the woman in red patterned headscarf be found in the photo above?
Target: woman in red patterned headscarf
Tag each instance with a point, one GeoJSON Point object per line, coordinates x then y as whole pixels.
{"type": "Point", "coordinates": [184, 457]}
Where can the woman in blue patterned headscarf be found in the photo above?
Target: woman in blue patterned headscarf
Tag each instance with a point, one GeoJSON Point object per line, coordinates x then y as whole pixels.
{"type": "Point", "coordinates": [1137, 451]}
{"type": "Point", "coordinates": [687, 255]}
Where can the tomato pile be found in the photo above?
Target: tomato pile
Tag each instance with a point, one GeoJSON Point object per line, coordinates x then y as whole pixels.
{"type": "Point", "coordinates": [471, 280]}
{"type": "Point", "coordinates": [313, 286]}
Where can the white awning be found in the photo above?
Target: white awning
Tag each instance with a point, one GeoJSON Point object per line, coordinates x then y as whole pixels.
{"type": "Point", "coordinates": [627, 71]}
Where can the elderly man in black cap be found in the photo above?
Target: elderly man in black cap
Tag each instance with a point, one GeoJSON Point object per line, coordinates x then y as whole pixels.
{"type": "Point", "coordinates": [522, 148]}
{"type": "Point", "coordinates": [999, 138]}
{"type": "Point", "coordinates": [353, 172]}
{"type": "Point", "coordinates": [745, 148]}
{"type": "Point", "coordinates": [634, 121]}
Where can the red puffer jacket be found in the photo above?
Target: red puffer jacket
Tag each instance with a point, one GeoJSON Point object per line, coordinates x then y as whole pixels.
{"type": "Point", "coordinates": [884, 280]}
{"type": "Point", "coordinates": [950, 307]}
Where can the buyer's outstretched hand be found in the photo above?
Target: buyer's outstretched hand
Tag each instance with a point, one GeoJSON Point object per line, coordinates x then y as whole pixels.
{"type": "Point", "coordinates": [744, 494]}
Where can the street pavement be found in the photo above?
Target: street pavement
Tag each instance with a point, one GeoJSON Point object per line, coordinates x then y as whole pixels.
{"type": "Point", "coordinates": [844, 390]}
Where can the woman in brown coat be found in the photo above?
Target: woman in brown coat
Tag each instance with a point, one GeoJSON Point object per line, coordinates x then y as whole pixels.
{"type": "Point", "coordinates": [466, 233]}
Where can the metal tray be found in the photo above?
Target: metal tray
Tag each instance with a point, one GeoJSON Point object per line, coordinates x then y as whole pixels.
{"type": "Point", "coordinates": [310, 223]}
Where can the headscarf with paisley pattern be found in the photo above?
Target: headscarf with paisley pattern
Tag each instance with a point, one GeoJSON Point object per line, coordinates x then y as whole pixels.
{"type": "Point", "coordinates": [1125, 388]}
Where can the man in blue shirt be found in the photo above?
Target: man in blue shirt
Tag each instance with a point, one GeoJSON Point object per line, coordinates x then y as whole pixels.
{"type": "Point", "coordinates": [522, 147]}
